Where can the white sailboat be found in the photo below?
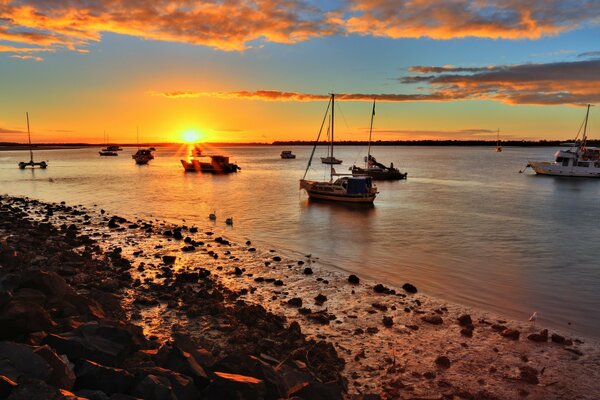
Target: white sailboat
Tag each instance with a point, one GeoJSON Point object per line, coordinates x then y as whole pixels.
{"type": "Point", "coordinates": [348, 188]}
{"type": "Point", "coordinates": [142, 156]}
{"type": "Point", "coordinates": [31, 163]}
{"type": "Point", "coordinates": [375, 169]}
{"type": "Point", "coordinates": [577, 161]}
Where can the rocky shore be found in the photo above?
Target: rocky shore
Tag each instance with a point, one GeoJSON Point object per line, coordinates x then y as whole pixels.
{"type": "Point", "coordinates": [106, 307]}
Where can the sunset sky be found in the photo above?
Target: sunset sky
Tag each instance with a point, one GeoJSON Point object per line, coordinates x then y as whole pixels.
{"type": "Point", "coordinates": [259, 71]}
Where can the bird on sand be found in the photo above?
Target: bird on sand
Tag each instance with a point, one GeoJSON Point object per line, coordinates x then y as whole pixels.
{"type": "Point", "coordinates": [533, 318]}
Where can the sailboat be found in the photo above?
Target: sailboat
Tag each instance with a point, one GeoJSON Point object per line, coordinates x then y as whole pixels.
{"type": "Point", "coordinates": [142, 156]}
{"type": "Point", "coordinates": [577, 161]}
{"type": "Point", "coordinates": [330, 159]}
{"type": "Point", "coordinates": [31, 163]}
{"type": "Point", "coordinates": [348, 188]}
{"type": "Point", "coordinates": [108, 151]}
{"type": "Point", "coordinates": [498, 147]}
{"type": "Point", "coordinates": [375, 169]}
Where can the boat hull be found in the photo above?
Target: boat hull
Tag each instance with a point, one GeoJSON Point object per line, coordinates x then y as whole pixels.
{"type": "Point", "coordinates": [197, 166]}
{"type": "Point", "coordinates": [327, 191]}
{"type": "Point", "coordinates": [380, 175]}
{"type": "Point", "coordinates": [41, 164]}
{"type": "Point", "coordinates": [552, 169]}
{"type": "Point", "coordinates": [330, 160]}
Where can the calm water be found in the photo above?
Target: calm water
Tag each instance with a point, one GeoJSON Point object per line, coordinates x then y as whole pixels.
{"type": "Point", "coordinates": [465, 226]}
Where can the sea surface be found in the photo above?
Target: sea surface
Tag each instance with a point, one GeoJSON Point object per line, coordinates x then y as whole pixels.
{"type": "Point", "coordinates": [465, 226]}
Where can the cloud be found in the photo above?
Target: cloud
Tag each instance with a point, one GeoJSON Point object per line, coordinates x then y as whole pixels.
{"type": "Point", "coordinates": [274, 95]}
{"type": "Point", "coordinates": [34, 58]}
{"type": "Point", "coordinates": [9, 130]}
{"type": "Point", "coordinates": [572, 83]}
{"type": "Point", "coordinates": [589, 54]}
{"type": "Point", "coordinates": [494, 19]}
{"type": "Point", "coordinates": [238, 25]}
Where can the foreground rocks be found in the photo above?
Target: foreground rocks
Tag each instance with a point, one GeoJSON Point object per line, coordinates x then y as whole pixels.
{"type": "Point", "coordinates": [64, 333]}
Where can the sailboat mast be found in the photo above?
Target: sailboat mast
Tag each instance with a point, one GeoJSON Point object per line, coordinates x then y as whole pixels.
{"type": "Point", "coordinates": [332, 124]}
{"type": "Point", "coordinates": [370, 134]}
{"type": "Point", "coordinates": [138, 137]}
{"type": "Point", "coordinates": [29, 137]}
{"type": "Point", "coordinates": [584, 140]}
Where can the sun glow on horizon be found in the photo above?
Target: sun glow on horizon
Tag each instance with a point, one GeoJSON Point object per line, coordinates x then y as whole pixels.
{"type": "Point", "coordinates": [191, 136]}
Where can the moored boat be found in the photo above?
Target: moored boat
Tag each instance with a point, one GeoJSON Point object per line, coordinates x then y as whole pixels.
{"type": "Point", "coordinates": [143, 156]}
{"type": "Point", "coordinates": [218, 164]}
{"type": "Point", "coordinates": [374, 169]}
{"type": "Point", "coordinates": [108, 153]}
{"type": "Point", "coordinates": [31, 163]}
{"type": "Point", "coordinates": [352, 189]}
{"type": "Point", "coordinates": [287, 154]}
{"type": "Point", "coordinates": [578, 161]}
{"type": "Point", "coordinates": [498, 147]}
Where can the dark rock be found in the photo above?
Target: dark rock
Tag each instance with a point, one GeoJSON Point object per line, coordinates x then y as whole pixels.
{"type": "Point", "coordinates": [380, 306]}
{"type": "Point", "coordinates": [409, 288]}
{"type": "Point", "coordinates": [379, 288]}
{"type": "Point", "coordinates": [22, 317]}
{"type": "Point", "coordinates": [38, 390]}
{"type": "Point", "coordinates": [433, 319]}
{"type": "Point", "coordinates": [320, 299]}
{"type": "Point", "coordinates": [237, 271]}
{"type": "Point", "coordinates": [467, 331]}
{"type": "Point", "coordinates": [62, 375]}
{"type": "Point", "coordinates": [295, 302]}
{"type": "Point", "coordinates": [6, 386]}
{"type": "Point", "coordinates": [278, 282]}
{"type": "Point", "coordinates": [308, 271]}
{"type": "Point", "coordinates": [556, 338]}
{"type": "Point", "coordinates": [353, 279]}
{"type": "Point", "coordinates": [542, 336]}
{"type": "Point", "coordinates": [276, 258]}
{"type": "Point", "coordinates": [512, 334]}
{"type": "Point", "coordinates": [113, 224]}
{"type": "Point", "coordinates": [177, 235]}
{"type": "Point", "coordinates": [91, 375]}
{"type": "Point", "coordinates": [175, 359]}
{"type": "Point", "coordinates": [499, 328]}
{"type": "Point", "coordinates": [169, 259]}
{"type": "Point", "coordinates": [465, 320]}
{"type": "Point", "coordinates": [388, 321]}
{"type": "Point", "coordinates": [18, 361]}
{"type": "Point", "coordinates": [442, 362]}
{"type": "Point", "coordinates": [154, 387]}
{"type": "Point", "coordinates": [529, 375]}
{"type": "Point", "coordinates": [234, 386]}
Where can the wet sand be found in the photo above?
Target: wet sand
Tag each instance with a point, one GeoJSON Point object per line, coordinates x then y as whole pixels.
{"type": "Point", "coordinates": [395, 343]}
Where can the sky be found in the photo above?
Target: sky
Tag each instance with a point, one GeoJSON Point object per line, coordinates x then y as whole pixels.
{"type": "Point", "coordinates": [261, 71]}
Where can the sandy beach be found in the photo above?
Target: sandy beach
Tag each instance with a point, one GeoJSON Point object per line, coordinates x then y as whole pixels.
{"type": "Point", "coordinates": [314, 331]}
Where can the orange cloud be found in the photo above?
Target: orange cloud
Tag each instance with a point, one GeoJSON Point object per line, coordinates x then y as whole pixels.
{"type": "Point", "coordinates": [552, 83]}
{"type": "Point", "coordinates": [494, 19]}
{"type": "Point", "coordinates": [235, 25]}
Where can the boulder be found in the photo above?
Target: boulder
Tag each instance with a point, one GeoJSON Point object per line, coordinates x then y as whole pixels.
{"type": "Point", "coordinates": [442, 362]}
{"type": "Point", "coordinates": [511, 334]}
{"type": "Point", "coordinates": [234, 386]}
{"type": "Point", "coordinates": [465, 320]}
{"type": "Point", "coordinates": [295, 302]}
{"type": "Point", "coordinates": [388, 321]}
{"type": "Point", "coordinates": [23, 317]}
{"type": "Point", "coordinates": [529, 375]}
{"type": "Point", "coordinates": [49, 283]}
{"type": "Point", "coordinates": [409, 288]}
{"type": "Point", "coordinates": [182, 386]}
{"type": "Point", "coordinates": [62, 375]}
{"type": "Point", "coordinates": [19, 362]}
{"type": "Point", "coordinates": [91, 375]}
{"type": "Point", "coordinates": [173, 358]}
{"type": "Point", "coordinates": [39, 390]}
{"type": "Point", "coordinates": [154, 387]}
{"type": "Point", "coordinates": [6, 386]}
{"type": "Point", "coordinates": [353, 279]}
{"type": "Point", "coordinates": [540, 337]}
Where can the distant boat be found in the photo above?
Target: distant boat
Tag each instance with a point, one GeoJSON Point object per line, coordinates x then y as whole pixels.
{"type": "Point", "coordinates": [31, 163]}
{"type": "Point", "coordinates": [578, 161]}
{"type": "Point", "coordinates": [287, 154]}
{"type": "Point", "coordinates": [217, 165]}
{"type": "Point", "coordinates": [109, 150]}
{"type": "Point", "coordinates": [372, 168]}
{"type": "Point", "coordinates": [142, 156]}
{"type": "Point", "coordinates": [353, 189]}
{"type": "Point", "coordinates": [498, 147]}
{"type": "Point", "coordinates": [113, 147]}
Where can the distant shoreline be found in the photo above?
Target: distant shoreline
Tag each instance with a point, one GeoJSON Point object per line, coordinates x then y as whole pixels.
{"type": "Point", "coordinates": [8, 146]}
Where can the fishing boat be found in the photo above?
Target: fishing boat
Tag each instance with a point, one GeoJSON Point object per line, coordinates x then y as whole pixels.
{"type": "Point", "coordinates": [498, 147]}
{"type": "Point", "coordinates": [287, 154]}
{"type": "Point", "coordinates": [31, 163]}
{"type": "Point", "coordinates": [217, 165]}
{"type": "Point", "coordinates": [345, 188]}
{"type": "Point", "coordinates": [374, 169]}
{"type": "Point", "coordinates": [578, 161]}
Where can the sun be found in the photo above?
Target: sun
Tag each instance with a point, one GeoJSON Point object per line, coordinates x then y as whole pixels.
{"type": "Point", "coordinates": [190, 136]}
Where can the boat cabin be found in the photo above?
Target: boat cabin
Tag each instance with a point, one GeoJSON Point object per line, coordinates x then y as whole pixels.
{"type": "Point", "coordinates": [355, 184]}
